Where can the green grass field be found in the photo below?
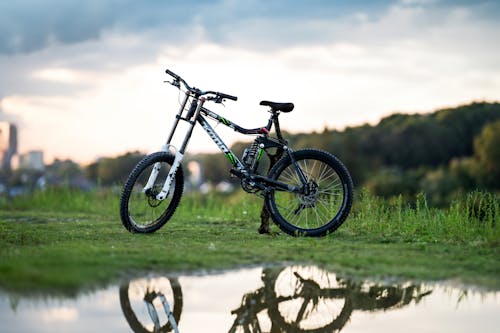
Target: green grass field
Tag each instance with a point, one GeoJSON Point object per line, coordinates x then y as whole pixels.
{"type": "Point", "coordinates": [62, 241]}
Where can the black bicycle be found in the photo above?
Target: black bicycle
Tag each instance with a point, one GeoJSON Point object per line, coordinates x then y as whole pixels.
{"type": "Point", "coordinates": [307, 192]}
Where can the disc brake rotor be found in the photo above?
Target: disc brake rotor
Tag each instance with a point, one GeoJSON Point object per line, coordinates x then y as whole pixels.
{"type": "Point", "coordinates": [151, 195]}
{"type": "Point", "coordinates": [309, 197]}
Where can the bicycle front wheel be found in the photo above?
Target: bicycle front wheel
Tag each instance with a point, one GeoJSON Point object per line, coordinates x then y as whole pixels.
{"type": "Point", "coordinates": [134, 297]}
{"type": "Point", "coordinates": [140, 211]}
{"type": "Point", "coordinates": [325, 199]}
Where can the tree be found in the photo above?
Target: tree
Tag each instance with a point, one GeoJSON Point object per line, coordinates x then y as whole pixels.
{"type": "Point", "coordinates": [487, 154]}
{"type": "Point", "coordinates": [112, 170]}
{"type": "Point", "coordinates": [65, 173]}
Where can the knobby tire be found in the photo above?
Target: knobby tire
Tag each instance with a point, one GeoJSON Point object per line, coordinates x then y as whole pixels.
{"type": "Point", "coordinates": [330, 197]}
{"type": "Point", "coordinates": [140, 212]}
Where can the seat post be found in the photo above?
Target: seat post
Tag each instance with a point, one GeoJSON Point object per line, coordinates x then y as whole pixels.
{"type": "Point", "coordinates": [277, 127]}
{"type": "Point", "coordinates": [273, 158]}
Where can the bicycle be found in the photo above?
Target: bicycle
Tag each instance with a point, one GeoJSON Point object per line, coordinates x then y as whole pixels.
{"type": "Point", "coordinates": [308, 192]}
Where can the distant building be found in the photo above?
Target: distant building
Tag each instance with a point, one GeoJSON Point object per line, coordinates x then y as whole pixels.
{"type": "Point", "coordinates": [8, 144]}
{"type": "Point", "coordinates": [32, 160]}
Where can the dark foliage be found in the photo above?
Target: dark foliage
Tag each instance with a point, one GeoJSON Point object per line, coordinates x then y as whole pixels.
{"type": "Point", "coordinates": [443, 154]}
{"type": "Point", "coordinates": [444, 151]}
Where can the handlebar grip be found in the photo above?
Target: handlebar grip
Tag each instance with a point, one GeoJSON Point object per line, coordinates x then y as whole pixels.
{"type": "Point", "coordinates": [172, 74]}
{"type": "Point", "coordinates": [234, 98]}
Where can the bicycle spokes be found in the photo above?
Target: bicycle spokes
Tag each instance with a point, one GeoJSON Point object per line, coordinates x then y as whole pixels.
{"type": "Point", "coordinates": [321, 195]}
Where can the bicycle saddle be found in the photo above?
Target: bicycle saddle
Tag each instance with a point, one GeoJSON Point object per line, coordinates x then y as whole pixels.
{"type": "Point", "coordinates": [284, 107]}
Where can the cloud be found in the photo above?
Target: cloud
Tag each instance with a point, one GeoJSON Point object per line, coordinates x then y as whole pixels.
{"type": "Point", "coordinates": [101, 37]}
{"type": "Point", "coordinates": [4, 116]}
{"type": "Point", "coordinates": [27, 26]}
{"type": "Point", "coordinates": [31, 25]}
{"type": "Point", "coordinates": [83, 67]}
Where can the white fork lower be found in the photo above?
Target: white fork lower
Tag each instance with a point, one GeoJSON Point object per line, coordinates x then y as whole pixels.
{"type": "Point", "coordinates": [170, 178]}
{"type": "Point", "coordinates": [171, 174]}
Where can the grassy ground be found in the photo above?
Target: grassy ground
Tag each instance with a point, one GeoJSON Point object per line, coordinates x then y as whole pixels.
{"type": "Point", "coordinates": [63, 241]}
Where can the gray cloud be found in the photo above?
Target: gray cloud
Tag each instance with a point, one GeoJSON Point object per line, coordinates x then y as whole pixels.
{"type": "Point", "coordinates": [27, 26]}
{"type": "Point", "coordinates": [30, 25]}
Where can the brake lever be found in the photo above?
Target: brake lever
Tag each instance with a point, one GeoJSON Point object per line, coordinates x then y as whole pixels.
{"type": "Point", "coordinates": [175, 83]}
{"type": "Point", "coordinates": [216, 99]}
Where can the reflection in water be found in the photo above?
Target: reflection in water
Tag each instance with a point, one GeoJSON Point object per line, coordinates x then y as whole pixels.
{"type": "Point", "coordinates": [161, 298]}
{"type": "Point", "coordinates": [308, 299]}
{"type": "Point", "coordinates": [295, 299]}
{"type": "Point", "coordinates": [290, 299]}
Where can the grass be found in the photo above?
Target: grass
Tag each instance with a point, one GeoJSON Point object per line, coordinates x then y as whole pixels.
{"type": "Point", "coordinates": [65, 241]}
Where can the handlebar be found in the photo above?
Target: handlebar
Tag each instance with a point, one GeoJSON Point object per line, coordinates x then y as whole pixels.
{"type": "Point", "coordinates": [222, 95]}
{"type": "Point", "coordinates": [218, 95]}
{"type": "Point", "coordinates": [172, 74]}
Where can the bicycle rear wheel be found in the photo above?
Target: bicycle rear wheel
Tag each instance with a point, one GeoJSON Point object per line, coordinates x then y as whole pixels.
{"type": "Point", "coordinates": [309, 300]}
{"type": "Point", "coordinates": [325, 201]}
{"type": "Point", "coordinates": [140, 211]}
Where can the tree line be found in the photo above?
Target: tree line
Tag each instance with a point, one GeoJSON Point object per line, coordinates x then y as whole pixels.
{"type": "Point", "coordinates": [442, 153]}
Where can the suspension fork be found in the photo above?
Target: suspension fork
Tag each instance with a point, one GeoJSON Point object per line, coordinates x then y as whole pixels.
{"type": "Point", "coordinates": [178, 116]}
{"type": "Point", "coordinates": [153, 314]}
{"type": "Point", "coordinates": [179, 153]}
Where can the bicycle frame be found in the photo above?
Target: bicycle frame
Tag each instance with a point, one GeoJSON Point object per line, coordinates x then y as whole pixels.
{"type": "Point", "coordinates": [197, 113]}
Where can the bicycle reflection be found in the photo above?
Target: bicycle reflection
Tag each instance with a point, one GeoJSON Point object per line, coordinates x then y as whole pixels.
{"type": "Point", "coordinates": [292, 299]}
{"type": "Point", "coordinates": [152, 305]}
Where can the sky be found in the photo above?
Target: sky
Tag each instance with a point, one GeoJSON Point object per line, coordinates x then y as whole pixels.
{"type": "Point", "coordinates": [85, 79]}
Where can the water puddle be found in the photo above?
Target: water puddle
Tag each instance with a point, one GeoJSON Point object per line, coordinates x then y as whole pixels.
{"type": "Point", "coordinates": [289, 299]}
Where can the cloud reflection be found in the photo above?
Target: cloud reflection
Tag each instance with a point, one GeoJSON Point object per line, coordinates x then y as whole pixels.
{"type": "Point", "coordinates": [58, 314]}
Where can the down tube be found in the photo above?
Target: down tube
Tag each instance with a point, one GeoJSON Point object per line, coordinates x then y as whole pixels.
{"type": "Point", "coordinates": [218, 141]}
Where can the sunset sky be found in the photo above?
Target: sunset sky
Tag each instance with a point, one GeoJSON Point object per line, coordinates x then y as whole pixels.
{"type": "Point", "coordinates": [84, 79]}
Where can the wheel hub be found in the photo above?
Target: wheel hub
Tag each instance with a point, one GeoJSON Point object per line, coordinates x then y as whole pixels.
{"type": "Point", "coordinates": [151, 195]}
{"type": "Point", "coordinates": [309, 195]}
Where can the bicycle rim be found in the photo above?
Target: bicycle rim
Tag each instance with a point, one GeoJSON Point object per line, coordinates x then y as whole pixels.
{"type": "Point", "coordinates": [308, 305]}
{"type": "Point", "coordinates": [145, 211]}
{"type": "Point", "coordinates": [318, 208]}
